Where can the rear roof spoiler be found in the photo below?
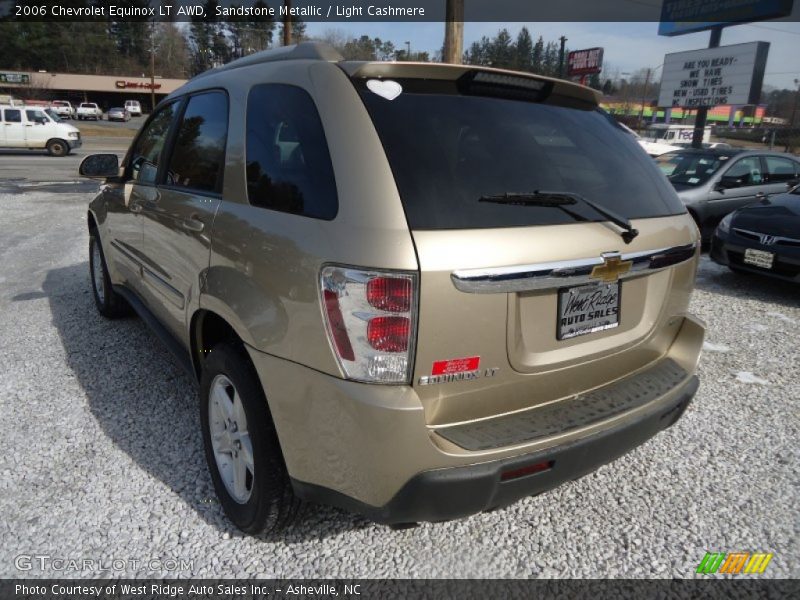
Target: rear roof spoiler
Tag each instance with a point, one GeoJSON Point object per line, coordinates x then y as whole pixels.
{"type": "Point", "coordinates": [563, 91]}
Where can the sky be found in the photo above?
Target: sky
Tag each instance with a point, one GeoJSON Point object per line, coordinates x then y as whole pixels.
{"type": "Point", "coordinates": [628, 46]}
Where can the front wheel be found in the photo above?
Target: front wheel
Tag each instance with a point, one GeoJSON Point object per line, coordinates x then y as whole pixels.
{"type": "Point", "coordinates": [57, 148]}
{"type": "Point", "coordinates": [241, 444]}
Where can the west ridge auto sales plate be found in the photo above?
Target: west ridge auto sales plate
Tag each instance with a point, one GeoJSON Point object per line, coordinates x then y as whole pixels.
{"type": "Point", "coordinates": [587, 309]}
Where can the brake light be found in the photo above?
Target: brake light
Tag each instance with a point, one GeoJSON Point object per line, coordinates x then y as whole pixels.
{"type": "Point", "coordinates": [371, 321]}
{"type": "Point", "coordinates": [389, 334]}
{"type": "Point", "coordinates": [389, 293]}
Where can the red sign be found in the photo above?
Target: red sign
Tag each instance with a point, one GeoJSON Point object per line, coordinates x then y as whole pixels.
{"type": "Point", "coordinates": [585, 62]}
{"type": "Point", "coordinates": [455, 365]}
{"type": "Point", "coordinates": [144, 85]}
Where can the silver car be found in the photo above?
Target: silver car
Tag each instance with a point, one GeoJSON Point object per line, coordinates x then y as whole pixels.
{"type": "Point", "coordinates": [714, 182]}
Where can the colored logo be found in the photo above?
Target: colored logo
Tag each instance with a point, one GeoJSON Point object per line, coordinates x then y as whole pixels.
{"type": "Point", "coordinates": [734, 563]}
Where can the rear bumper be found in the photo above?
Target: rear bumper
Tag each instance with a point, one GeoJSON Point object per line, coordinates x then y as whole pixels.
{"type": "Point", "coordinates": [444, 494]}
{"type": "Point", "coordinates": [370, 449]}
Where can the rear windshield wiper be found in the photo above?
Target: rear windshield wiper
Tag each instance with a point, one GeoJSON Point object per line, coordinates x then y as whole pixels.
{"type": "Point", "coordinates": [562, 200]}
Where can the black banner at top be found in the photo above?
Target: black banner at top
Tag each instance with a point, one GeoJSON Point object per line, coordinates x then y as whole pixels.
{"type": "Point", "coordinates": [338, 11]}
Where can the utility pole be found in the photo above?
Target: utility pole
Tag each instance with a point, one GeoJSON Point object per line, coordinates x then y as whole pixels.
{"type": "Point", "coordinates": [561, 56]}
{"type": "Point", "coordinates": [408, 50]}
{"type": "Point", "coordinates": [454, 32]}
{"type": "Point", "coordinates": [644, 98]}
{"type": "Point", "coordinates": [152, 66]}
{"type": "Point", "coordinates": [287, 23]}
{"type": "Point", "coordinates": [702, 113]}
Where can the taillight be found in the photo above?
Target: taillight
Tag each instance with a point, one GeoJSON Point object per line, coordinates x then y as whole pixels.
{"type": "Point", "coordinates": [371, 319]}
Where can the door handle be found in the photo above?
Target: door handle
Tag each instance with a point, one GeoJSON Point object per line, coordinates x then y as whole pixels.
{"type": "Point", "coordinates": [193, 224]}
{"type": "Point", "coordinates": [760, 195]}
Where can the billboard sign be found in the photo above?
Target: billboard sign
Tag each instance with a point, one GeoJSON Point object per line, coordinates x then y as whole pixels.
{"type": "Point", "coordinates": [713, 76]}
{"type": "Point", "coordinates": [679, 16]}
{"type": "Point", "coordinates": [585, 62]}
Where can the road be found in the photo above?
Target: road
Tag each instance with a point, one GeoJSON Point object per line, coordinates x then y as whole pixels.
{"type": "Point", "coordinates": [33, 167]}
{"type": "Point", "coordinates": [103, 455]}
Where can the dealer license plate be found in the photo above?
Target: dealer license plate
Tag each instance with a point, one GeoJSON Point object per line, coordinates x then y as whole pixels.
{"type": "Point", "coordinates": [587, 309]}
{"type": "Point", "coordinates": [758, 258]}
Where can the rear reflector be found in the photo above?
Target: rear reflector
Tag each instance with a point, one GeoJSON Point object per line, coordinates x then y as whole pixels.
{"type": "Point", "coordinates": [337, 328]}
{"type": "Point", "coordinates": [528, 470]}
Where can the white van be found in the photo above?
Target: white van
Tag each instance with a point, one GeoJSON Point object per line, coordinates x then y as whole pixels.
{"type": "Point", "coordinates": [33, 127]}
{"type": "Point", "coordinates": [134, 108]}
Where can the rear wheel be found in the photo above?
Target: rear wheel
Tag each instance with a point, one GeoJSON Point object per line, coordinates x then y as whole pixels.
{"type": "Point", "coordinates": [109, 304]}
{"type": "Point", "coordinates": [57, 147]}
{"type": "Point", "coordinates": [241, 444]}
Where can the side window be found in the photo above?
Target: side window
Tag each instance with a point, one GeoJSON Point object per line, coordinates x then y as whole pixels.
{"type": "Point", "coordinates": [746, 171]}
{"type": "Point", "coordinates": [780, 169]}
{"type": "Point", "coordinates": [35, 115]}
{"type": "Point", "coordinates": [146, 154]}
{"type": "Point", "coordinates": [198, 158]}
{"type": "Point", "coordinates": [288, 164]}
{"type": "Point", "coordinates": [13, 116]}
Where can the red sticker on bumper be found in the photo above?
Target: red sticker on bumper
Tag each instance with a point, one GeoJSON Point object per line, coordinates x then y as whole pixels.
{"type": "Point", "coordinates": [455, 365]}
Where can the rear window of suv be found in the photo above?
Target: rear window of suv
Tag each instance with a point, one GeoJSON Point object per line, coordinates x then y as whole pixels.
{"type": "Point", "coordinates": [448, 150]}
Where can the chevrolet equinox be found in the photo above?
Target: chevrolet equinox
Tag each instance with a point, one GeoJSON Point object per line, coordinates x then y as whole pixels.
{"type": "Point", "coordinates": [414, 291]}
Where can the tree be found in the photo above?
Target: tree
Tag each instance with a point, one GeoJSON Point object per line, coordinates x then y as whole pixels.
{"type": "Point", "coordinates": [501, 51]}
{"type": "Point", "coordinates": [537, 60]}
{"type": "Point", "coordinates": [523, 51]}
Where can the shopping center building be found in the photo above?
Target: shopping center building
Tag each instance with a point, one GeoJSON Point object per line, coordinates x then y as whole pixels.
{"type": "Point", "coordinates": [106, 90]}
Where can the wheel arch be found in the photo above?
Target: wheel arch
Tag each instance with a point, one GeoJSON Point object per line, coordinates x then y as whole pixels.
{"type": "Point", "coordinates": [207, 329]}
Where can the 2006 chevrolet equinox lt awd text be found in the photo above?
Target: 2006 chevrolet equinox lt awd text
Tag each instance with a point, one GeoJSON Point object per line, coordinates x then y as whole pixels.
{"type": "Point", "coordinates": [415, 291]}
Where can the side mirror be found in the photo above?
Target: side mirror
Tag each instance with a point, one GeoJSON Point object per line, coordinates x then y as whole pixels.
{"type": "Point", "coordinates": [42, 120]}
{"type": "Point", "coordinates": [100, 166]}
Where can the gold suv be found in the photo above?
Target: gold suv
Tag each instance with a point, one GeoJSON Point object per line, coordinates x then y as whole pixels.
{"type": "Point", "coordinates": [415, 291]}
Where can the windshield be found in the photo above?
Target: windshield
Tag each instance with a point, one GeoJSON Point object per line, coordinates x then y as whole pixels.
{"type": "Point", "coordinates": [448, 150]}
{"type": "Point", "coordinates": [53, 115]}
{"type": "Point", "coordinates": [689, 168]}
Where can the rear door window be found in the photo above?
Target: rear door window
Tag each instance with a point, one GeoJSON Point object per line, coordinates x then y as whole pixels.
{"type": "Point", "coordinates": [448, 151]}
{"type": "Point", "coordinates": [781, 169]}
{"type": "Point", "coordinates": [13, 116]}
{"type": "Point", "coordinates": [288, 163]}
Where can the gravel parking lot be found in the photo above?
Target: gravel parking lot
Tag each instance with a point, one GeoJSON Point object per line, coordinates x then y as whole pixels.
{"type": "Point", "coordinates": [102, 454]}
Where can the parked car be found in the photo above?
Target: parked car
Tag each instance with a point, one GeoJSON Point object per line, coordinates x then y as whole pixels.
{"type": "Point", "coordinates": [762, 238]}
{"type": "Point", "coordinates": [118, 114]}
{"type": "Point", "coordinates": [34, 128]}
{"type": "Point", "coordinates": [133, 107]}
{"type": "Point", "coordinates": [714, 182]}
{"type": "Point", "coordinates": [412, 291]}
{"type": "Point", "coordinates": [63, 109]}
{"type": "Point", "coordinates": [89, 110]}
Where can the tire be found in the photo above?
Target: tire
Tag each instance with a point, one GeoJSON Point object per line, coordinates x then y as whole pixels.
{"type": "Point", "coordinates": [109, 304]}
{"type": "Point", "coordinates": [230, 391]}
{"type": "Point", "coordinates": [57, 147]}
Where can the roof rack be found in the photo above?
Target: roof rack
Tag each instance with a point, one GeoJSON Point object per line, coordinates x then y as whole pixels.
{"type": "Point", "coordinates": [302, 51]}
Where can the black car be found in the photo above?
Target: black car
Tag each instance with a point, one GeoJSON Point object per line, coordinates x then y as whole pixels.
{"type": "Point", "coordinates": [762, 238]}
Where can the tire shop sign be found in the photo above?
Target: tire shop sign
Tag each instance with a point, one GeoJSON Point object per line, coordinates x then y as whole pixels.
{"type": "Point", "coordinates": [137, 85]}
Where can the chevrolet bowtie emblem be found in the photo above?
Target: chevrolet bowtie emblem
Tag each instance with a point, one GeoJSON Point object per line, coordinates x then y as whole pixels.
{"type": "Point", "coordinates": [611, 269]}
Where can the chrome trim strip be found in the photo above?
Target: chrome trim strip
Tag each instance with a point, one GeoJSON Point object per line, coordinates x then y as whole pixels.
{"type": "Point", "coordinates": [550, 275]}
{"type": "Point", "coordinates": [776, 239]}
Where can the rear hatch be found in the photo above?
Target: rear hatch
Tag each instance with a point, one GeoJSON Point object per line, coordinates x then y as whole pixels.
{"type": "Point", "coordinates": [522, 198]}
